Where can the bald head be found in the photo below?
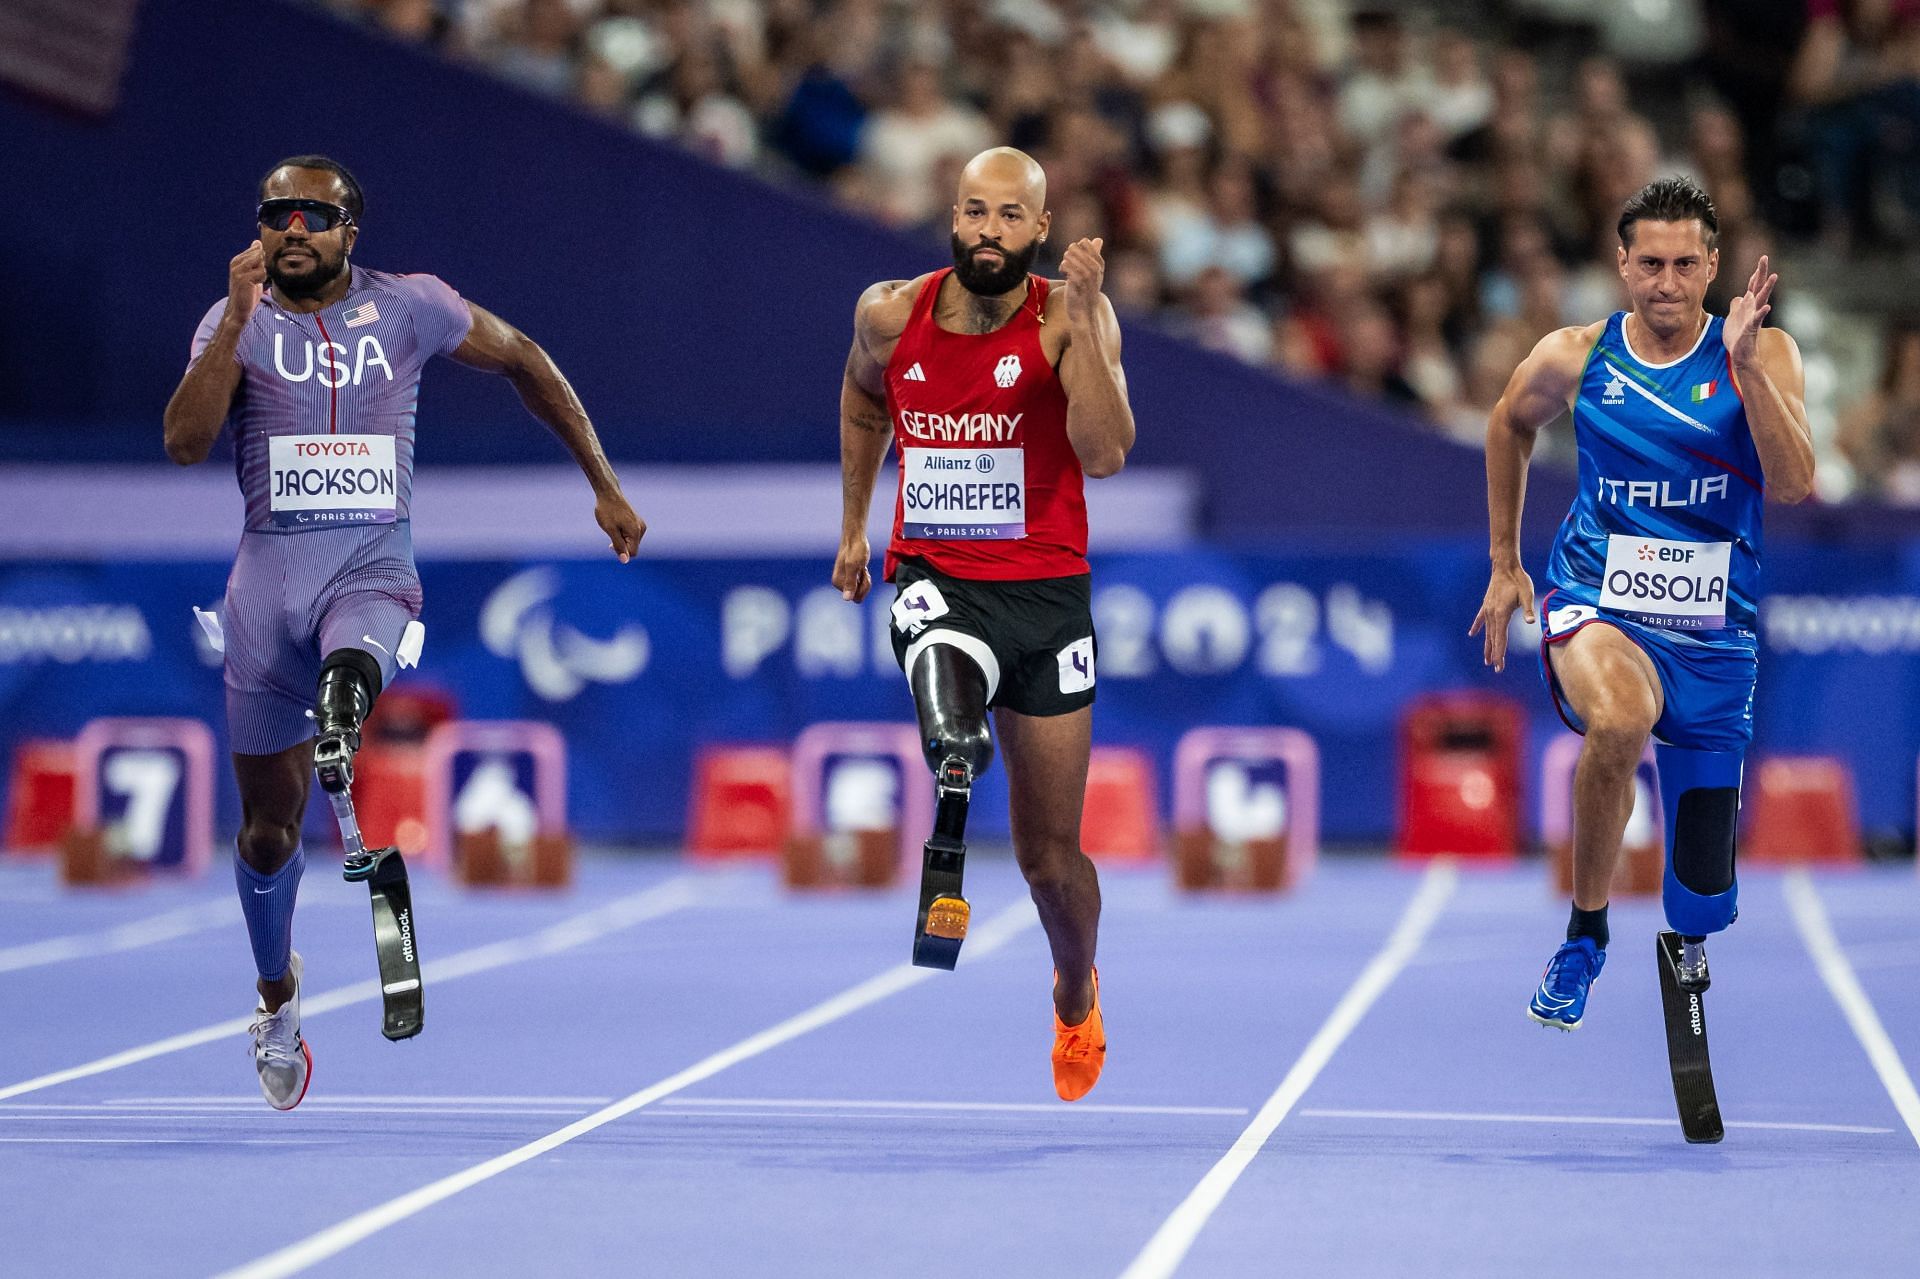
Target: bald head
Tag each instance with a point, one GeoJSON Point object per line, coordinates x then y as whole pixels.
{"type": "Point", "coordinates": [1003, 172]}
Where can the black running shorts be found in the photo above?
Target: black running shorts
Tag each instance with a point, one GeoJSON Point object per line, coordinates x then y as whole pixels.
{"type": "Point", "coordinates": [1033, 639]}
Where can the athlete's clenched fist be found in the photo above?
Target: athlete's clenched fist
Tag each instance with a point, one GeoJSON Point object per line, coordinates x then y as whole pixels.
{"type": "Point", "coordinates": [1085, 271]}
{"type": "Point", "coordinates": [246, 279]}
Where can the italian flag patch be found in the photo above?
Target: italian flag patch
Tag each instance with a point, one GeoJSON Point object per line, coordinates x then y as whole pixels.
{"type": "Point", "coordinates": [1704, 391]}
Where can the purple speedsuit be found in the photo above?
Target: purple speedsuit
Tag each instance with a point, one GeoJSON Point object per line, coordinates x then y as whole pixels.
{"type": "Point", "coordinates": [322, 427]}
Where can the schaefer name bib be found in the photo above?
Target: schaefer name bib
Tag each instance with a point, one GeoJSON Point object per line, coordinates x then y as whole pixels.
{"type": "Point", "coordinates": [963, 494]}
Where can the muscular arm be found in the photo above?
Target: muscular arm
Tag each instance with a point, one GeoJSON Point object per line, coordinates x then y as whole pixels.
{"type": "Point", "coordinates": [1540, 390]}
{"type": "Point", "coordinates": [200, 403]}
{"type": "Point", "coordinates": [865, 428]}
{"type": "Point", "coordinates": [494, 346]}
{"type": "Point", "coordinates": [1772, 387]}
{"type": "Point", "coordinates": [1099, 419]}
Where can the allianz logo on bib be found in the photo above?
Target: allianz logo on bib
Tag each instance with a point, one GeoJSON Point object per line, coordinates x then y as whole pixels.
{"type": "Point", "coordinates": [981, 465]}
{"type": "Point", "coordinates": [333, 369]}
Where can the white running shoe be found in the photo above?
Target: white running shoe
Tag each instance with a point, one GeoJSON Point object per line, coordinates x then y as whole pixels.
{"type": "Point", "coordinates": [280, 1054]}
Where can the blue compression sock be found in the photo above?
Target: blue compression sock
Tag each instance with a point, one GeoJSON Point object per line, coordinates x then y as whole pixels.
{"type": "Point", "coordinates": [267, 902]}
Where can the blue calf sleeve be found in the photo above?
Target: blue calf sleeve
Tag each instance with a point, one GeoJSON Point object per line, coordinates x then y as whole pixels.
{"type": "Point", "coordinates": [267, 902]}
{"type": "Point", "coordinates": [1700, 795]}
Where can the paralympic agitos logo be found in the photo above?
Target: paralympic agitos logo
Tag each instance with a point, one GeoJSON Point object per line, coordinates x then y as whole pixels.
{"type": "Point", "coordinates": [556, 659]}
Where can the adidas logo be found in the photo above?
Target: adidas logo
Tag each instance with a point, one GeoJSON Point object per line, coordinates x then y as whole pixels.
{"type": "Point", "coordinates": [914, 374]}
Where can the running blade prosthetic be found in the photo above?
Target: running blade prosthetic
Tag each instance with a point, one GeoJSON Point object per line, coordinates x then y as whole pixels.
{"type": "Point", "coordinates": [1683, 983]}
{"type": "Point", "coordinates": [944, 913]}
{"type": "Point", "coordinates": [384, 872]}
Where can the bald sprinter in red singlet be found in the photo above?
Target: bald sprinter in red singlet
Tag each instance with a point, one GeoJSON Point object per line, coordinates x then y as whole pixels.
{"type": "Point", "coordinates": [1003, 392]}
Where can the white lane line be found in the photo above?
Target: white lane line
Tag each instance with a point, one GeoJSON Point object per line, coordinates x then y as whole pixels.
{"type": "Point", "coordinates": [1476, 1117]}
{"type": "Point", "coordinates": [662, 899]}
{"type": "Point", "coordinates": [134, 1116]}
{"type": "Point", "coordinates": [1012, 1107]}
{"type": "Point", "coordinates": [1171, 1242]}
{"type": "Point", "coordinates": [1817, 932]}
{"type": "Point", "coordinates": [183, 921]}
{"type": "Point", "coordinates": [335, 1239]}
{"type": "Point", "coordinates": [160, 1141]}
{"type": "Point", "coordinates": [360, 1099]}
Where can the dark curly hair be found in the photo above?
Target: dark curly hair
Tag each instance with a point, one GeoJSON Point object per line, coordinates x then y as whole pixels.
{"type": "Point", "coordinates": [356, 201]}
{"type": "Point", "coordinates": [1673, 199]}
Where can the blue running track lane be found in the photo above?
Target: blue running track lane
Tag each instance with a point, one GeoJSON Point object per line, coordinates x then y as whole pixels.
{"type": "Point", "coordinates": [767, 1089]}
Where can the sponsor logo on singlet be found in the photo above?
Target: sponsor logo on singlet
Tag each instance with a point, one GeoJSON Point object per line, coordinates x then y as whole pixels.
{"type": "Point", "coordinates": [963, 494]}
{"type": "Point", "coordinates": [322, 480]}
{"type": "Point", "coordinates": [1667, 583]}
{"type": "Point", "coordinates": [328, 361]}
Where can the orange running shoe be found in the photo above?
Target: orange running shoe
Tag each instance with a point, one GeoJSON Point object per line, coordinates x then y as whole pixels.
{"type": "Point", "coordinates": [1079, 1051]}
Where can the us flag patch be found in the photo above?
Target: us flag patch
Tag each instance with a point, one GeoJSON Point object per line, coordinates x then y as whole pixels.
{"type": "Point", "coordinates": [364, 314]}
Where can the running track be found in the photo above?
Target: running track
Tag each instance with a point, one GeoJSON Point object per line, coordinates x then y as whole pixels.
{"type": "Point", "coordinates": [895, 1122]}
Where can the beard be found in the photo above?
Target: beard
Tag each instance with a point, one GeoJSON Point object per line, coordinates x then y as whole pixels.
{"type": "Point", "coordinates": [991, 281]}
{"type": "Point", "coordinates": [307, 281]}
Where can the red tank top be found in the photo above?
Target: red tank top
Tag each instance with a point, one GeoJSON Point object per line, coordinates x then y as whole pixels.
{"type": "Point", "coordinates": [990, 486]}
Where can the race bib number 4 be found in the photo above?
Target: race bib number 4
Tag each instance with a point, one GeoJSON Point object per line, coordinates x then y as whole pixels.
{"type": "Point", "coordinates": [963, 493]}
{"type": "Point", "coordinates": [1665, 583]}
{"type": "Point", "coordinates": [321, 480]}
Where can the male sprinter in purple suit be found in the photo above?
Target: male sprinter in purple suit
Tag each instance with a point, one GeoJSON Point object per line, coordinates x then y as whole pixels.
{"type": "Point", "coordinates": [317, 377]}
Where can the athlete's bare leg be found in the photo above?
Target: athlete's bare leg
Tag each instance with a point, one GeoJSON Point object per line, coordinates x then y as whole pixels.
{"type": "Point", "coordinates": [273, 800]}
{"type": "Point", "coordinates": [1046, 758]}
{"type": "Point", "coordinates": [1612, 686]}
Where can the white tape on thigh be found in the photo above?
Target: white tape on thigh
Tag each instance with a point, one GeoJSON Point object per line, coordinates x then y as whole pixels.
{"type": "Point", "coordinates": [210, 623]}
{"type": "Point", "coordinates": [972, 645]}
{"type": "Point", "coordinates": [412, 640]}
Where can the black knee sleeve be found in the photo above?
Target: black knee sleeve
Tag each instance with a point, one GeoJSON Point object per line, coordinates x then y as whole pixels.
{"type": "Point", "coordinates": [349, 682]}
{"type": "Point", "coordinates": [1703, 839]}
{"type": "Point", "coordinates": [950, 696]}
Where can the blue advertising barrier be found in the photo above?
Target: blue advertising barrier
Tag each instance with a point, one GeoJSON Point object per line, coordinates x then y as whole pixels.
{"type": "Point", "coordinates": [640, 665]}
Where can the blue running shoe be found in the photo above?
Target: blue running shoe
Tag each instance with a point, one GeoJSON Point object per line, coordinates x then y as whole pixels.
{"type": "Point", "coordinates": [1561, 1000]}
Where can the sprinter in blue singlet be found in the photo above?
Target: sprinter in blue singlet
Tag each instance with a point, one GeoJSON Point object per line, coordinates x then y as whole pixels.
{"type": "Point", "coordinates": [1686, 423]}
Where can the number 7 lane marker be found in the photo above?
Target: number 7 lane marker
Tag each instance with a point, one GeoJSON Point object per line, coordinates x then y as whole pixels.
{"type": "Point", "coordinates": [1170, 1244]}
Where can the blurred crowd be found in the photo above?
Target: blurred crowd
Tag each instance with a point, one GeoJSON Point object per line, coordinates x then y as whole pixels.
{"type": "Point", "coordinates": [1364, 195]}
